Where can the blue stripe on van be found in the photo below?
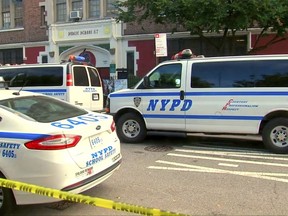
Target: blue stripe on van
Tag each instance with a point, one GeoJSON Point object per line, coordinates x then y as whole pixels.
{"type": "Point", "coordinates": [46, 90]}
{"type": "Point", "coordinates": [250, 93]}
{"type": "Point", "coordinates": [14, 135]}
{"type": "Point", "coordinates": [230, 93]}
{"type": "Point", "coordinates": [142, 94]}
{"type": "Point", "coordinates": [204, 117]}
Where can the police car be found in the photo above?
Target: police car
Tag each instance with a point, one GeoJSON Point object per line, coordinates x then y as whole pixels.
{"type": "Point", "coordinates": [240, 95]}
{"type": "Point", "coordinates": [51, 143]}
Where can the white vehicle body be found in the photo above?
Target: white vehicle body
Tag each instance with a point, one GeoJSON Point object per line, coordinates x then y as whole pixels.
{"type": "Point", "coordinates": [219, 95]}
{"type": "Point", "coordinates": [55, 148]}
{"type": "Point", "coordinates": [78, 84]}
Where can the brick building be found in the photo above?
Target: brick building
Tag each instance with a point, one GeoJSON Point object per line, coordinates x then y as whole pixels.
{"type": "Point", "coordinates": [23, 31]}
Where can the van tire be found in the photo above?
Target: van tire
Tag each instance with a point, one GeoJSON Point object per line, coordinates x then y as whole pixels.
{"type": "Point", "coordinates": [7, 201]}
{"type": "Point", "coordinates": [275, 135]}
{"type": "Point", "coordinates": [131, 128]}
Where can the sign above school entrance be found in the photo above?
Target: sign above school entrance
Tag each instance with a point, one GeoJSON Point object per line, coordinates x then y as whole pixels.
{"type": "Point", "coordinates": [81, 31]}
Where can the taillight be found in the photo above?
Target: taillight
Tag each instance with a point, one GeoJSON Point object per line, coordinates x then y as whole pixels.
{"type": "Point", "coordinates": [113, 126]}
{"type": "Point", "coordinates": [69, 81]}
{"type": "Point", "coordinates": [54, 142]}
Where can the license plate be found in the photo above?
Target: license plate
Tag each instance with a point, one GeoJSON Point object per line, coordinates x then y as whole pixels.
{"type": "Point", "coordinates": [95, 141]}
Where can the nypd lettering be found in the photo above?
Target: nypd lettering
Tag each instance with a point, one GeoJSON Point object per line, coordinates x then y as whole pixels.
{"type": "Point", "coordinates": [169, 105]}
{"type": "Point", "coordinates": [100, 155]}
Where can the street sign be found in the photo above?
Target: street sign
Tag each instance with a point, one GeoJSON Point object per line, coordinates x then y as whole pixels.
{"type": "Point", "coordinates": [161, 45]}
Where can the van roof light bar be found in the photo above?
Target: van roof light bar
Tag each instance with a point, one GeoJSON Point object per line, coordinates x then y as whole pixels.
{"type": "Point", "coordinates": [185, 54]}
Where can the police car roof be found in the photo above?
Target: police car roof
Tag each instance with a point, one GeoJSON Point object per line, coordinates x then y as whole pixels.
{"type": "Point", "coordinates": [8, 93]}
{"type": "Point", "coordinates": [62, 64]}
{"type": "Point", "coordinates": [272, 56]}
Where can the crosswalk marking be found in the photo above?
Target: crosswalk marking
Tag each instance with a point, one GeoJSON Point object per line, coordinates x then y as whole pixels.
{"type": "Point", "coordinates": [225, 162]}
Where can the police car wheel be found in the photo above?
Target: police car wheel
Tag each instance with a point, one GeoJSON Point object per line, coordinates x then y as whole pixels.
{"type": "Point", "coordinates": [7, 202]}
{"type": "Point", "coordinates": [131, 128]}
{"type": "Point", "coordinates": [275, 135]}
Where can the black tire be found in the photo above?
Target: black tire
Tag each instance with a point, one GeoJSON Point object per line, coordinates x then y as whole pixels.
{"type": "Point", "coordinates": [275, 135]}
{"type": "Point", "coordinates": [7, 201]}
{"type": "Point", "coordinates": [131, 128]}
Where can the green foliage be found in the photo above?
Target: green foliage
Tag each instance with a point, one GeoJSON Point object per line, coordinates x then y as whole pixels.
{"type": "Point", "coordinates": [225, 17]}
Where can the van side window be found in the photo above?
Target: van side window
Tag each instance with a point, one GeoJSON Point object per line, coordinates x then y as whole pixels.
{"type": "Point", "coordinates": [80, 76]}
{"type": "Point", "coordinates": [33, 76]}
{"type": "Point", "coordinates": [271, 73]}
{"type": "Point", "coordinates": [166, 76]}
{"type": "Point", "coordinates": [94, 77]}
{"type": "Point", "coordinates": [237, 74]}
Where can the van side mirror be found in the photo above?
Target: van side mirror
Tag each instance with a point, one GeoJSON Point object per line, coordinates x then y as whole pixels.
{"type": "Point", "coordinates": [146, 82]}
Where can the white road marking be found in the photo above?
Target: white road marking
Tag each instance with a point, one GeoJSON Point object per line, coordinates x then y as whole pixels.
{"type": "Point", "coordinates": [246, 155]}
{"type": "Point", "coordinates": [229, 160]}
{"type": "Point", "coordinates": [193, 168]}
{"type": "Point", "coordinates": [228, 165]}
{"type": "Point", "coordinates": [230, 150]}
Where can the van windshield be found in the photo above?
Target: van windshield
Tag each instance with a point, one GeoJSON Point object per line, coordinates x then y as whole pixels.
{"type": "Point", "coordinates": [43, 109]}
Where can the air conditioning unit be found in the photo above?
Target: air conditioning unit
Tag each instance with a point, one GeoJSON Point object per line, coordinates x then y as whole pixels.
{"type": "Point", "coordinates": [75, 15]}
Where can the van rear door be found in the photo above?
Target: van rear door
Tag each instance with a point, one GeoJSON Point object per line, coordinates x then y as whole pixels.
{"type": "Point", "coordinates": [96, 84]}
{"type": "Point", "coordinates": [82, 92]}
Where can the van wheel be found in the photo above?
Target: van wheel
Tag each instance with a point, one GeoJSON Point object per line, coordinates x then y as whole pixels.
{"type": "Point", "coordinates": [131, 128]}
{"type": "Point", "coordinates": [7, 201]}
{"type": "Point", "coordinates": [275, 135]}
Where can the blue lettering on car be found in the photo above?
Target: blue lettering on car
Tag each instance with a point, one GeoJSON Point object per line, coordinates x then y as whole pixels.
{"type": "Point", "coordinates": [169, 105]}
{"type": "Point", "coordinates": [100, 155]}
{"type": "Point", "coordinates": [8, 153]}
{"type": "Point", "coordinates": [9, 145]}
{"type": "Point", "coordinates": [70, 123]}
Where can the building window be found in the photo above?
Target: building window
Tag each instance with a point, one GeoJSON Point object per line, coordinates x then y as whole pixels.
{"type": "Point", "coordinates": [77, 5]}
{"type": "Point", "coordinates": [94, 9]}
{"type": "Point", "coordinates": [6, 15]}
{"type": "Point", "coordinates": [18, 13]}
{"type": "Point", "coordinates": [11, 14]}
{"type": "Point", "coordinates": [110, 8]}
{"type": "Point", "coordinates": [43, 16]}
{"type": "Point", "coordinates": [11, 56]}
{"type": "Point", "coordinates": [61, 10]}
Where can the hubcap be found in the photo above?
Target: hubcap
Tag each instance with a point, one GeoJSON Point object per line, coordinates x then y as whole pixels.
{"type": "Point", "coordinates": [279, 136]}
{"type": "Point", "coordinates": [131, 128]}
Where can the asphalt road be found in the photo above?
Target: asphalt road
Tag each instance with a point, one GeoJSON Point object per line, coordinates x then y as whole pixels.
{"type": "Point", "coordinates": [190, 175]}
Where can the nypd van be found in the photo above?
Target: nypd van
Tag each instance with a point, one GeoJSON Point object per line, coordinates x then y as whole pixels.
{"type": "Point", "coordinates": [241, 95]}
{"type": "Point", "coordinates": [74, 81]}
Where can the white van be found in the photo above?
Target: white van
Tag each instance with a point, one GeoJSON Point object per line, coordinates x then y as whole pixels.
{"type": "Point", "coordinates": [219, 95]}
{"type": "Point", "coordinates": [77, 83]}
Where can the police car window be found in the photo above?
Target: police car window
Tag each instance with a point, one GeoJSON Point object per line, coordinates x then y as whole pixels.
{"type": "Point", "coordinates": [271, 73]}
{"type": "Point", "coordinates": [43, 109]}
{"type": "Point", "coordinates": [236, 74]}
{"type": "Point", "coordinates": [94, 77]}
{"type": "Point", "coordinates": [166, 76]}
{"type": "Point", "coordinates": [229, 74]}
{"type": "Point", "coordinates": [80, 76]}
{"type": "Point", "coordinates": [33, 76]}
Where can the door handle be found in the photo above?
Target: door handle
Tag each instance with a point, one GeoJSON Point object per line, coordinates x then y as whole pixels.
{"type": "Point", "coordinates": [182, 94]}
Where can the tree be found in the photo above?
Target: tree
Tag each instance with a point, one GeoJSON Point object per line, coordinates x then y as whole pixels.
{"type": "Point", "coordinates": [224, 17]}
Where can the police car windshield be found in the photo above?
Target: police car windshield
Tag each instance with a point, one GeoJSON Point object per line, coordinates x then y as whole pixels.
{"type": "Point", "coordinates": [43, 109]}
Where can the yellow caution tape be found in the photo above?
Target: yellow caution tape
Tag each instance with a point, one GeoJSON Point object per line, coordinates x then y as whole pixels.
{"type": "Point", "coordinates": [99, 202]}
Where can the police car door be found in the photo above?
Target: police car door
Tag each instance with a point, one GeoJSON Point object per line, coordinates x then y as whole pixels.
{"type": "Point", "coordinates": [163, 101]}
